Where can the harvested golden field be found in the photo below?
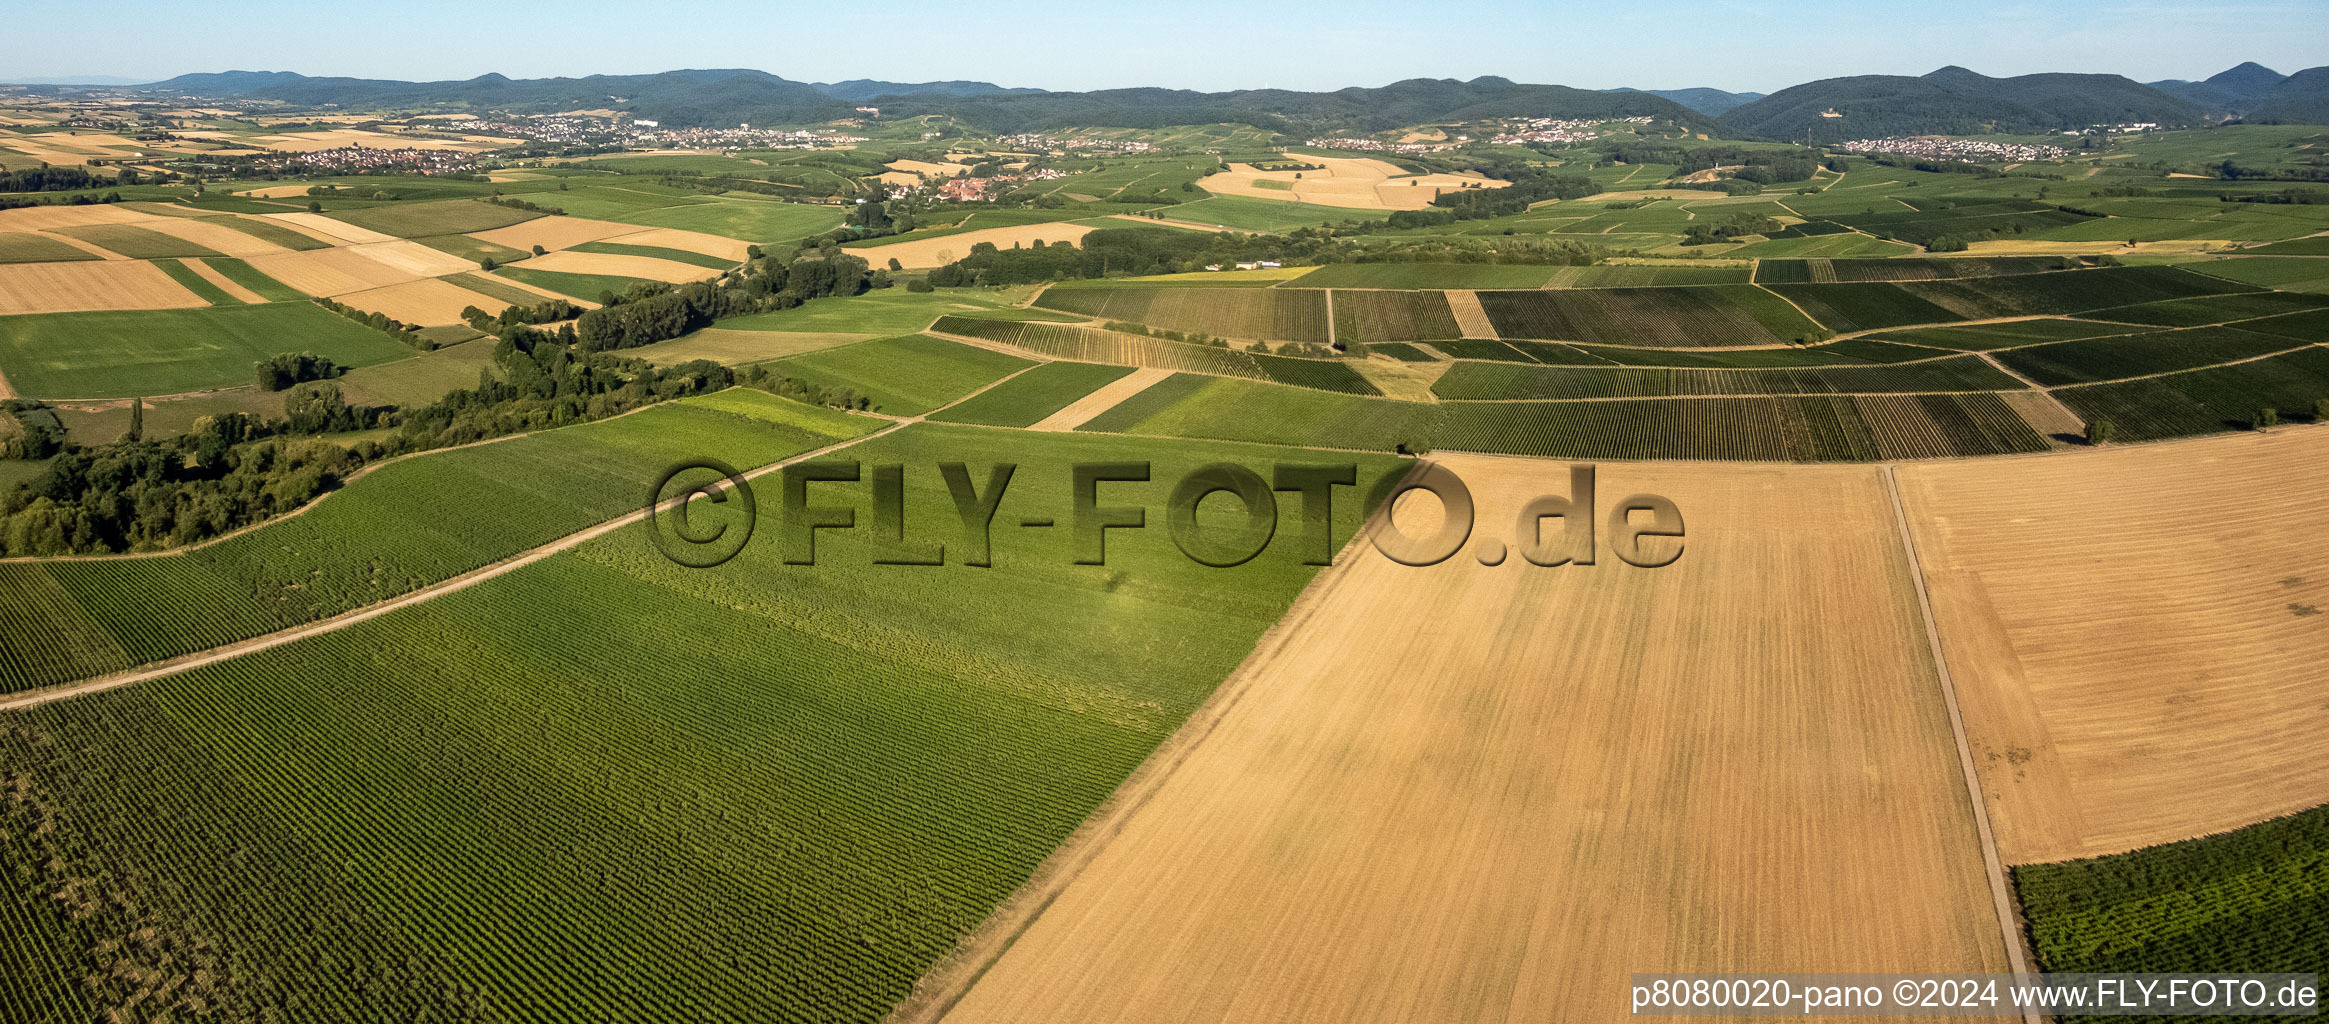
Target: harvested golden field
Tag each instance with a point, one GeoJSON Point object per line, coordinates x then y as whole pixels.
{"type": "Point", "coordinates": [42, 218]}
{"type": "Point", "coordinates": [337, 232]}
{"type": "Point", "coordinates": [1470, 317]}
{"type": "Point", "coordinates": [2135, 635]}
{"type": "Point", "coordinates": [945, 249]}
{"type": "Point", "coordinates": [357, 268]}
{"type": "Point", "coordinates": [569, 262]}
{"type": "Point", "coordinates": [554, 233]}
{"type": "Point", "coordinates": [90, 285]}
{"type": "Point", "coordinates": [275, 192]}
{"type": "Point", "coordinates": [1359, 183]}
{"type": "Point", "coordinates": [686, 241]}
{"type": "Point", "coordinates": [1465, 793]}
{"type": "Point", "coordinates": [428, 302]}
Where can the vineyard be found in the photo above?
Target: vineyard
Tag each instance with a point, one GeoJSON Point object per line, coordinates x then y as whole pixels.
{"type": "Point", "coordinates": [1871, 306]}
{"type": "Point", "coordinates": [1371, 316]}
{"type": "Point", "coordinates": [2211, 309]}
{"type": "Point", "coordinates": [1267, 314]}
{"type": "Point", "coordinates": [605, 787]}
{"type": "Point", "coordinates": [903, 376]}
{"type": "Point", "coordinates": [1494, 381]}
{"type": "Point", "coordinates": [1424, 276]}
{"type": "Point", "coordinates": [1773, 429]}
{"type": "Point", "coordinates": [1904, 269]}
{"type": "Point", "coordinates": [2206, 401]}
{"type": "Point", "coordinates": [2100, 359]}
{"type": "Point", "coordinates": [1084, 344]}
{"type": "Point", "coordinates": [1984, 337]}
{"type": "Point", "coordinates": [1033, 395]}
{"type": "Point", "coordinates": [1235, 410]}
{"type": "Point", "coordinates": [1717, 315]}
{"type": "Point", "coordinates": [1626, 276]}
{"type": "Point", "coordinates": [385, 534]}
{"type": "Point", "coordinates": [2254, 900]}
{"type": "Point", "coordinates": [1401, 351]}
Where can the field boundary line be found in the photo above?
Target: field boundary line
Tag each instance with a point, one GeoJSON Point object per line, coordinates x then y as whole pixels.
{"type": "Point", "coordinates": [228, 652]}
{"type": "Point", "coordinates": [2009, 371]}
{"type": "Point", "coordinates": [936, 993]}
{"type": "Point", "coordinates": [2000, 891]}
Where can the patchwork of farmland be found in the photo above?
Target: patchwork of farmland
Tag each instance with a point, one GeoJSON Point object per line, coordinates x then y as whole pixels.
{"type": "Point", "coordinates": [2209, 400]}
{"type": "Point", "coordinates": [161, 352]}
{"type": "Point", "coordinates": [1369, 316]}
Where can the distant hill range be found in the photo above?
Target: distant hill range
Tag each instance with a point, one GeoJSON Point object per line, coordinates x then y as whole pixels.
{"type": "Point", "coordinates": [858, 90]}
{"type": "Point", "coordinates": [686, 98]}
{"type": "Point", "coordinates": [1951, 101]}
{"type": "Point", "coordinates": [1711, 102]}
{"type": "Point", "coordinates": [2254, 92]}
{"type": "Point", "coordinates": [1954, 101]}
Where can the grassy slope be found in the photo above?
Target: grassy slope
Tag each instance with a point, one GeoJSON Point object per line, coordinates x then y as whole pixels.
{"type": "Point", "coordinates": [158, 352]}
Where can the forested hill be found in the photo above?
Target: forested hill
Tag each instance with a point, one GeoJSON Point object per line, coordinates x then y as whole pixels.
{"type": "Point", "coordinates": [1953, 101]}
{"type": "Point", "coordinates": [688, 98]}
{"type": "Point", "coordinates": [2254, 92]}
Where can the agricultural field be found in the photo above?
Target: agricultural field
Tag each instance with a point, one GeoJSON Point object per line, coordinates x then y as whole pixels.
{"type": "Point", "coordinates": [1035, 395]}
{"type": "Point", "coordinates": [1426, 275]}
{"type": "Point", "coordinates": [162, 352]}
{"type": "Point", "coordinates": [2206, 401]}
{"type": "Point", "coordinates": [1270, 314]}
{"type": "Point", "coordinates": [382, 535]}
{"type": "Point", "coordinates": [1084, 344]}
{"type": "Point", "coordinates": [903, 376]}
{"type": "Point", "coordinates": [1299, 843]}
{"type": "Point", "coordinates": [1717, 315]}
{"type": "Point", "coordinates": [2100, 359]}
{"type": "Point", "coordinates": [1370, 316]}
{"type": "Point", "coordinates": [1505, 381]}
{"type": "Point", "coordinates": [416, 220]}
{"type": "Point", "coordinates": [472, 758]}
{"type": "Point", "coordinates": [2090, 692]}
{"type": "Point", "coordinates": [2247, 900]}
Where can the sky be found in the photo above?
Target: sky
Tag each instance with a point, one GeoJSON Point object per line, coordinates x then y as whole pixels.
{"type": "Point", "coordinates": [1747, 45]}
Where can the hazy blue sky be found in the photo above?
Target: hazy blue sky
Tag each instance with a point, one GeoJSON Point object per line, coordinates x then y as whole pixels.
{"type": "Point", "coordinates": [1207, 45]}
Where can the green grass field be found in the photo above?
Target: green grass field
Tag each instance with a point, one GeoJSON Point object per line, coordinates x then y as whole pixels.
{"type": "Point", "coordinates": [166, 351]}
{"type": "Point", "coordinates": [887, 311]}
{"type": "Point", "coordinates": [135, 242]}
{"type": "Point", "coordinates": [695, 259]}
{"type": "Point", "coordinates": [1029, 397]}
{"type": "Point", "coordinates": [1245, 213]}
{"type": "Point", "coordinates": [269, 231]}
{"type": "Point", "coordinates": [587, 287]}
{"type": "Point", "coordinates": [903, 376]}
{"type": "Point", "coordinates": [249, 277]}
{"type": "Point", "coordinates": [196, 283]}
{"type": "Point", "coordinates": [26, 247]}
{"type": "Point", "coordinates": [607, 745]}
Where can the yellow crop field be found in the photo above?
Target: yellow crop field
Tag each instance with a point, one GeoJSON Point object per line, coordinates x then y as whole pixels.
{"type": "Point", "coordinates": [944, 249]}
{"type": "Point", "coordinates": [90, 285]}
{"type": "Point", "coordinates": [337, 232]}
{"type": "Point", "coordinates": [2134, 635]}
{"type": "Point", "coordinates": [554, 233]}
{"type": "Point", "coordinates": [427, 302]}
{"type": "Point", "coordinates": [1355, 183]}
{"type": "Point", "coordinates": [687, 241]}
{"type": "Point", "coordinates": [569, 262]}
{"type": "Point", "coordinates": [1489, 793]}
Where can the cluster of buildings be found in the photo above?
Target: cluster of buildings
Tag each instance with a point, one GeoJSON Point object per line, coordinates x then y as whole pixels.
{"type": "Point", "coordinates": [1036, 142]}
{"type": "Point", "coordinates": [1379, 146]}
{"type": "Point", "coordinates": [581, 130]}
{"type": "Point", "coordinates": [1554, 130]}
{"type": "Point", "coordinates": [426, 161]}
{"type": "Point", "coordinates": [1935, 147]}
{"type": "Point", "coordinates": [967, 189]}
{"type": "Point", "coordinates": [2128, 128]}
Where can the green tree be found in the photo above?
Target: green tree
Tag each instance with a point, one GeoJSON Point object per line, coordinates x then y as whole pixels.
{"type": "Point", "coordinates": [2100, 431]}
{"type": "Point", "coordinates": [2267, 417]}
